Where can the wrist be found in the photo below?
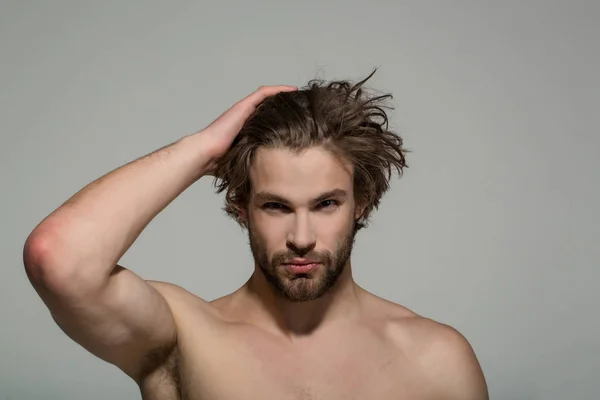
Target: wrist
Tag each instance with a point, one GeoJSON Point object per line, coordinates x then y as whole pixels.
{"type": "Point", "coordinates": [197, 150]}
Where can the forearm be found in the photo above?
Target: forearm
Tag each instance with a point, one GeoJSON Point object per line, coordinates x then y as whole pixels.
{"type": "Point", "coordinates": [95, 227]}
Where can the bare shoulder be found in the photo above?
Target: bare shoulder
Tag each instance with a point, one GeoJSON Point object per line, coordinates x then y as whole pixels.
{"type": "Point", "coordinates": [192, 313]}
{"type": "Point", "coordinates": [445, 356]}
{"type": "Point", "coordinates": [171, 291]}
{"type": "Point", "coordinates": [180, 299]}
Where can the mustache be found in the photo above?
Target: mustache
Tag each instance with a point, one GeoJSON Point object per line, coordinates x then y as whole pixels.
{"type": "Point", "coordinates": [286, 257]}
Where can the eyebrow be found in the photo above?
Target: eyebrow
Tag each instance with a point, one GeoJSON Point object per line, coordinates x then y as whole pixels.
{"type": "Point", "coordinates": [272, 197]}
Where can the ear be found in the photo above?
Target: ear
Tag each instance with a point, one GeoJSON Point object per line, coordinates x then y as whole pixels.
{"type": "Point", "coordinates": [359, 211]}
{"type": "Point", "coordinates": [242, 215]}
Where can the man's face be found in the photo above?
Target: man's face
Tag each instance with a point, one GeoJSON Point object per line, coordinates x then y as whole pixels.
{"type": "Point", "coordinates": [300, 218]}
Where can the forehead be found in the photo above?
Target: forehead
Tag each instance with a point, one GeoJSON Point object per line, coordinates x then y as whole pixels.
{"type": "Point", "coordinates": [299, 175]}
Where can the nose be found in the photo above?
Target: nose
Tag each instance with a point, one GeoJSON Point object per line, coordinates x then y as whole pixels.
{"type": "Point", "coordinates": [301, 238]}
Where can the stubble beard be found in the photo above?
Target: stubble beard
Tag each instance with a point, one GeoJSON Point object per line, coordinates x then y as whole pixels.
{"type": "Point", "coordinates": [302, 287]}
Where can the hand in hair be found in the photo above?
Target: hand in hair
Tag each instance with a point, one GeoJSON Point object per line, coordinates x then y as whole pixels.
{"type": "Point", "coordinates": [219, 135]}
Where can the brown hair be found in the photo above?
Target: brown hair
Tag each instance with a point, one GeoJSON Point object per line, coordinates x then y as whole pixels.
{"type": "Point", "coordinates": [338, 115]}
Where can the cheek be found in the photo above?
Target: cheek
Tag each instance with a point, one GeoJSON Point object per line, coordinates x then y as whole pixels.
{"type": "Point", "coordinates": [271, 232]}
{"type": "Point", "coordinates": [332, 230]}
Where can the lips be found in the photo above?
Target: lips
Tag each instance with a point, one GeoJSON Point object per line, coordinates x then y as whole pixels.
{"type": "Point", "coordinates": [300, 261]}
{"type": "Point", "coordinates": [303, 267]}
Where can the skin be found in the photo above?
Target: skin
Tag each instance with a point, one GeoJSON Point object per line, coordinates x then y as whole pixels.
{"type": "Point", "coordinates": [282, 335]}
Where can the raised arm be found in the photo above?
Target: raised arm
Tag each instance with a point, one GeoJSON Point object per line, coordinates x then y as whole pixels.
{"type": "Point", "coordinates": [71, 256]}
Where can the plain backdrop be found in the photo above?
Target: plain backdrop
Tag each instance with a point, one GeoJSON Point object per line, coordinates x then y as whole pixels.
{"type": "Point", "coordinates": [494, 229]}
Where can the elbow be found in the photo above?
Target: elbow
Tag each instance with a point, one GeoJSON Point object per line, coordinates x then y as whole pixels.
{"type": "Point", "coordinates": [36, 253]}
{"type": "Point", "coordinates": [56, 265]}
{"type": "Point", "coordinates": [44, 265]}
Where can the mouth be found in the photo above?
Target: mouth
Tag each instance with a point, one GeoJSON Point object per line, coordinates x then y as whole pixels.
{"type": "Point", "coordinates": [301, 266]}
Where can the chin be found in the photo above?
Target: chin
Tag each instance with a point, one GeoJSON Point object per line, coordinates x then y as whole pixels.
{"type": "Point", "coordinates": [303, 288]}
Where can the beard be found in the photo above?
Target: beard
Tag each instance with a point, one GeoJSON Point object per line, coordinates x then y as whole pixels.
{"type": "Point", "coordinates": [302, 286]}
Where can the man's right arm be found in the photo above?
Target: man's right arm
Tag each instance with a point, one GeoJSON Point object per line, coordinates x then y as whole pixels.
{"type": "Point", "coordinates": [71, 256]}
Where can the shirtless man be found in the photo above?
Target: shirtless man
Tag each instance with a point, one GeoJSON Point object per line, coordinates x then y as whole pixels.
{"type": "Point", "coordinates": [300, 327]}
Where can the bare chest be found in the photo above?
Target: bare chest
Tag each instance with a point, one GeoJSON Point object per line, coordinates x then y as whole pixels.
{"type": "Point", "coordinates": [254, 367]}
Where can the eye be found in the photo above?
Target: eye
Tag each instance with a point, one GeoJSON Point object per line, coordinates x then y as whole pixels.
{"type": "Point", "coordinates": [274, 206]}
{"type": "Point", "coordinates": [328, 204]}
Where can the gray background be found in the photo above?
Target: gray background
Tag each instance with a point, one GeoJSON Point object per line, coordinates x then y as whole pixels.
{"type": "Point", "coordinates": [494, 229]}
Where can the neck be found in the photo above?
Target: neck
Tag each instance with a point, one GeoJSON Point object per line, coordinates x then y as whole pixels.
{"type": "Point", "coordinates": [295, 319]}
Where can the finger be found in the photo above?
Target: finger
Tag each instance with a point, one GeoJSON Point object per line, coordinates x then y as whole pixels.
{"type": "Point", "coordinates": [235, 117]}
{"type": "Point", "coordinates": [241, 110]}
{"type": "Point", "coordinates": [263, 92]}
{"type": "Point", "coordinates": [248, 105]}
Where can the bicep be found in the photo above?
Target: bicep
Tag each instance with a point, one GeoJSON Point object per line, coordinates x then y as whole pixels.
{"type": "Point", "coordinates": [120, 323]}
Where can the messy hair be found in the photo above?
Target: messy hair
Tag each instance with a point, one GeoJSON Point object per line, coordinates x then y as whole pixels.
{"type": "Point", "coordinates": [340, 116]}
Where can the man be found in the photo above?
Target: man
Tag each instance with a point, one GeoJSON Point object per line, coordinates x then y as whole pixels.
{"type": "Point", "coordinates": [302, 170]}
